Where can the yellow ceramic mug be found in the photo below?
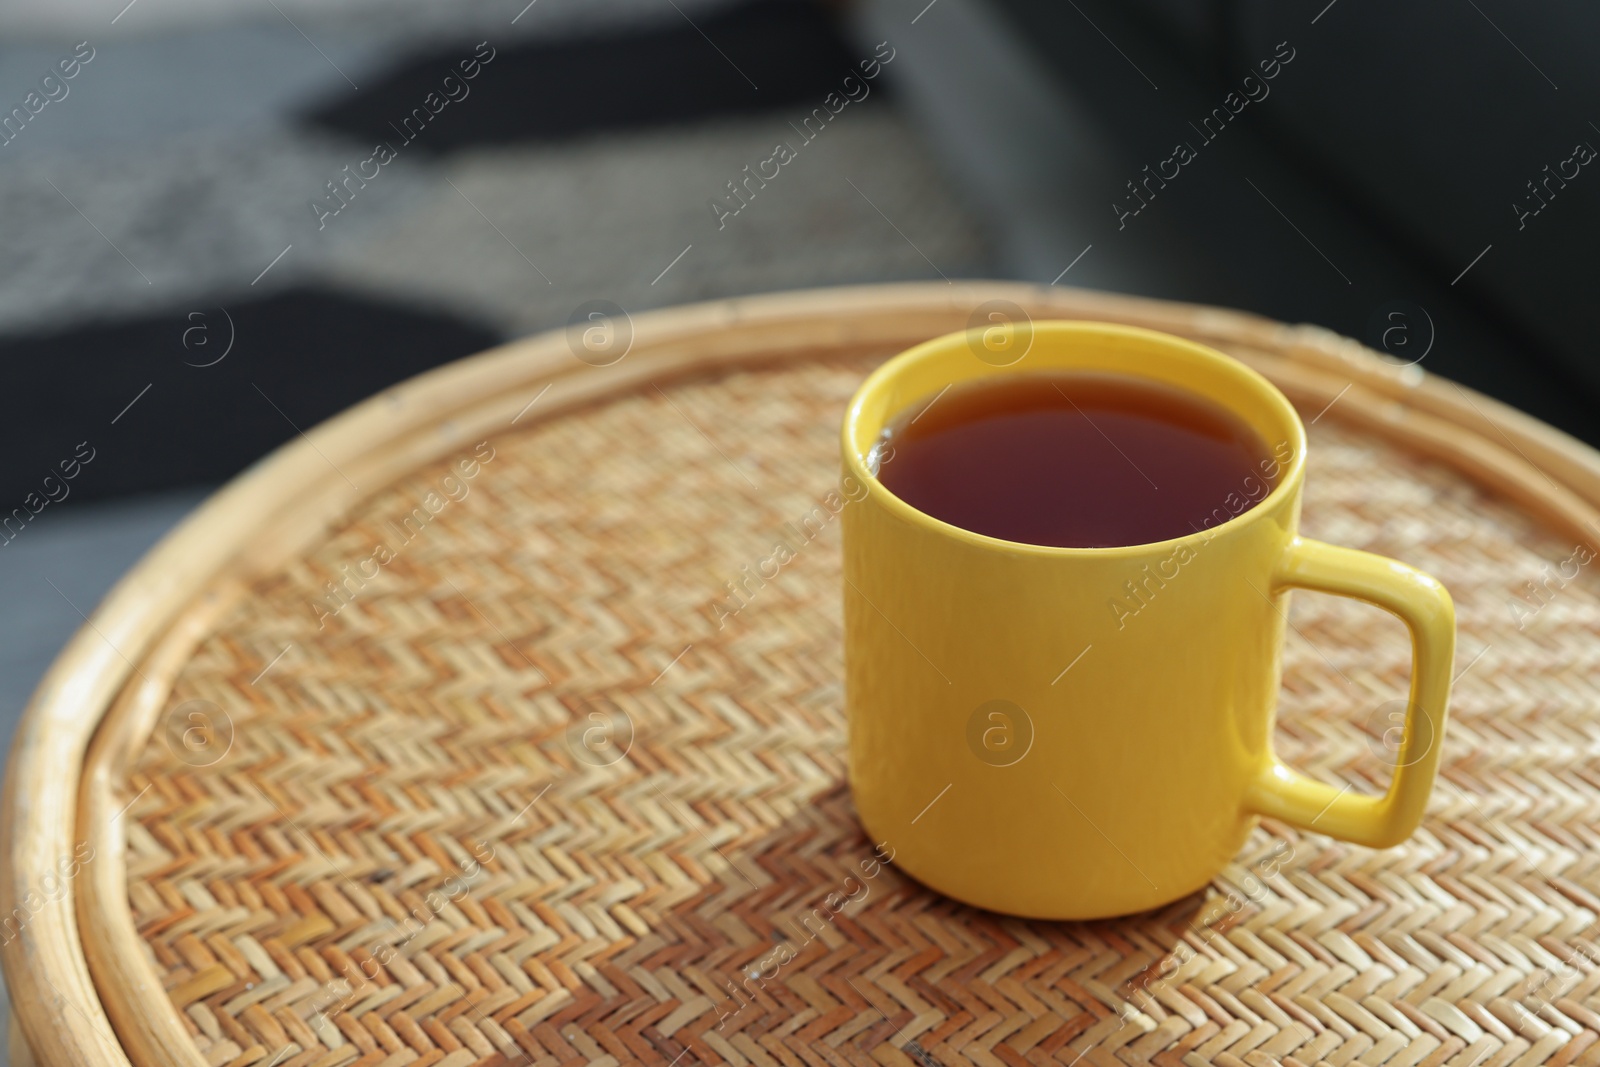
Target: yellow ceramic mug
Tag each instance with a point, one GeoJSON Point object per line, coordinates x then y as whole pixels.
{"type": "Point", "coordinates": [1076, 733]}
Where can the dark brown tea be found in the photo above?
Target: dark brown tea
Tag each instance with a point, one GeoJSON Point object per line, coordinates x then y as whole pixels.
{"type": "Point", "coordinates": [1077, 460]}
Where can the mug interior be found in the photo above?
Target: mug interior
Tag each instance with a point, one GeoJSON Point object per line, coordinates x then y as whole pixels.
{"type": "Point", "coordinates": [917, 375]}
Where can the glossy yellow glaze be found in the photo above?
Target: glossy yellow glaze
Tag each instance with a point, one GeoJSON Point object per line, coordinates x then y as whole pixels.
{"type": "Point", "coordinates": [1077, 733]}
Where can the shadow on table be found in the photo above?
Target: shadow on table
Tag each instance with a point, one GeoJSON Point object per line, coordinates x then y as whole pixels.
{"type": "Point", "coordinates": [807, 938]}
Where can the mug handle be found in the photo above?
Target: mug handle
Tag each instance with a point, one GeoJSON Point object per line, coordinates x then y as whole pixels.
{"type": "Point", "coordinates": [1425, 607]}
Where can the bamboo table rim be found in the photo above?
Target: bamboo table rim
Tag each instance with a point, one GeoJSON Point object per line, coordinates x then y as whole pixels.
{"type": "Point", "coordinates": [82, 987]}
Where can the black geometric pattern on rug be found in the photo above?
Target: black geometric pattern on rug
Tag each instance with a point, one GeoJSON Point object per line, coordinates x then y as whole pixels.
{"type": "Point", "coordinates": [741, 60]}
{"type": "Point", "coordinates": [297, 357]}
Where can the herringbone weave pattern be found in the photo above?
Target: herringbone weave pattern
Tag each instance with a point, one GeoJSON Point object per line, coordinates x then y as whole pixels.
{"type": "Point", "coordinates": [521, 800]}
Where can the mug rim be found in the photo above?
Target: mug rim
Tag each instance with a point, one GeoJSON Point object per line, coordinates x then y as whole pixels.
{"type": "Point", "coordinates": [1270, 395]}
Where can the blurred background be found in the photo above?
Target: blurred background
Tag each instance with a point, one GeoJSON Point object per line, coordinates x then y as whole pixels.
{"type": "Point", "coordinates": [206, 250]}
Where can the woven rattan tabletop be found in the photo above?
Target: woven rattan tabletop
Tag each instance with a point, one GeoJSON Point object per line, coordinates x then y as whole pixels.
{"type": "Point", "coordinates": [457, 734]}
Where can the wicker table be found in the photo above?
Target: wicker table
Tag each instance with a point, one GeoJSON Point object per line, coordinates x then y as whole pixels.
{"type": "Point", "coordinates": [454, 733]}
